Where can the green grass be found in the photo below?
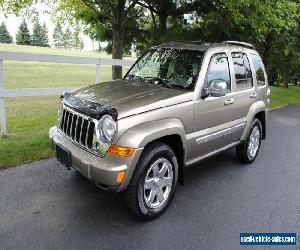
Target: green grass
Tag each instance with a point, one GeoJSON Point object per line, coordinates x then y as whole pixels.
{"type": "Point", "coordinates": [29, 118]}
{"type": "Point", "coordinates": [28, 121]}
{"type": "Point", "coordinates": [281, 97]}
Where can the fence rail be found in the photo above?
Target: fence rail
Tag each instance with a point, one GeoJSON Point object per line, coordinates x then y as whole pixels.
{"type": "Point", "coordinates": [16, 56]}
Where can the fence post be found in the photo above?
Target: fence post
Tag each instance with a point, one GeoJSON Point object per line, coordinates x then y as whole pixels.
{"type": "Point", "coordinates": [3, 132]}
{"type": "Point", "coordinates": [97, 73]}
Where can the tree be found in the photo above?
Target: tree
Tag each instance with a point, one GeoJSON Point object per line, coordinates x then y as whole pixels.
{"type": "Point", "coordinates": [270, 25]}
{"type": "Point", "coordinates": [68, 38]}
{"type": "Point", "coordinates": [77, 41]}
{"type": "Point", "coordinates": [23, 35]}
{"type": "Point", "coordinates": [263, 24]}
{"type": "Point", "coordinates": [5, 37]}
{"type": "Point", "coordinates": [45, 39]}
{"type": "Point", "coordinates": [58, 36]}
{"type": "Point", "coordinates": [105, 20]}
{"type": "Point", "coordinates": [37, 34]}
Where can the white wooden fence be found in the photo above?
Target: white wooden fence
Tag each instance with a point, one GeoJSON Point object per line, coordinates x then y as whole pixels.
{"type": "Point", "coordinates": [13, 56]}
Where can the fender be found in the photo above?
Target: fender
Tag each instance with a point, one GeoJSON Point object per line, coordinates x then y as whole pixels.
{"type": "Point", "coordinates": [140, 135]}
{"type": "Point", "coordinates": [254, 109]}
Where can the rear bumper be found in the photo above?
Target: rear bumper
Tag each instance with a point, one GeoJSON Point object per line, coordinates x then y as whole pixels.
{"type": "Point", "coordinates": [101, 171]}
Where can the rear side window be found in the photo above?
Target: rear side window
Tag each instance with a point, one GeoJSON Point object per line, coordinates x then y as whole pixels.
{"type": "Point", "coordinates": [259, 69]}
{"type": "Point", "coordinates": [242, 70]}
{"type": "Point", "coordinates": [219, 70]}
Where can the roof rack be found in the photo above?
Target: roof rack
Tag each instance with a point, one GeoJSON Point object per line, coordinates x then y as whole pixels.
{"type": "Point", "coordinates": [242, 44]}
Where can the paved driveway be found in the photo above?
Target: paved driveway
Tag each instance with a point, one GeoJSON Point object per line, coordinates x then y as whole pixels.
{"type": "Point", "coordinates": [44, 206]}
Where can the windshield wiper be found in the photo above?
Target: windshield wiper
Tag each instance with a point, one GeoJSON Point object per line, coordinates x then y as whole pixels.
{"type": "Point", "coordinates": [134, 77]}
{"type": "Point", "coordinates": [164, 82]}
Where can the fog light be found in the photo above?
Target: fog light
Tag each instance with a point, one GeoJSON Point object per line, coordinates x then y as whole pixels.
{"type": "Point", "coordinates": [120, 177]}
{"type": "Point", "coordinates": [120, 151]}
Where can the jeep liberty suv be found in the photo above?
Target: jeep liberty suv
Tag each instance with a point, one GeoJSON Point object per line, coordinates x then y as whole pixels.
{"type": "Point", "coordinates": [178, 104]}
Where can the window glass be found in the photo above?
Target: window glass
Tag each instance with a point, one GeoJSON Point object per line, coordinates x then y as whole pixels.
{"type": "Point", "coordinates": [259, 69]}
{"type": "Point", "coordinates": [178, 68]}
{"type": "Point", "coordinates": [242, 70]}
{"type": "Point", "coordinates": [219, 70]}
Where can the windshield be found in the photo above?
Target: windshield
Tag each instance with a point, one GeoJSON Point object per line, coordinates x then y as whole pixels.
{"type": "Point", "coordinates": [173, 68]}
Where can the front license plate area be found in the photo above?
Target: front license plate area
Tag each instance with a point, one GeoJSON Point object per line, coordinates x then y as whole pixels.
{"type": "Point", "coordinates": [63, 156]}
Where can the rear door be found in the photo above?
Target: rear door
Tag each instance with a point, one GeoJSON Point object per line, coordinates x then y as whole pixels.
{"type": "Point", "coordinates": [259, 77]}
{"type": "Point", "coordinates": [243, 88]}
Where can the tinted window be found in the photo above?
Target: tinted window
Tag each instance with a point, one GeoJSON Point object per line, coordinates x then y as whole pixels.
{"type": "Point", "coordinates": [219, 70]}
{"type": "Point", "coordinates": [259, 69]}
{"type": "Point", "coordinates": [242, 70]}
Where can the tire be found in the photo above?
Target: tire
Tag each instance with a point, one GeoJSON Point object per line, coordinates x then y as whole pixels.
{"type": "Point", "coordinates": [149, 201]}
{"type": "Point", "coordinates": [243, 151]}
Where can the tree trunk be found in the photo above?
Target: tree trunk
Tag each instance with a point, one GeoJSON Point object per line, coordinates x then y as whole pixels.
{"type": "Point", "coordinates": [285, 79]}
{"type": "Point", "coordinates": [118, 36]}
{"type": "Point", "coordinates": [163, 16]}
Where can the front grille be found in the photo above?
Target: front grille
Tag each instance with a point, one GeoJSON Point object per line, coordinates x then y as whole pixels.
{"type": "Point", "coordinates": [77, 127]}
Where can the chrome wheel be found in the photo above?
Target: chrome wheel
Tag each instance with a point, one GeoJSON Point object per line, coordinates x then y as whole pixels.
{"type": "Point", "coordinates": [158, 183]}
{"type": "Point", "coordinates": [254, 142]}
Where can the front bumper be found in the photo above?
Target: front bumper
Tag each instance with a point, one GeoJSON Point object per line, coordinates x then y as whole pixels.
{"type": "Point", "coordinates": [101, 171]}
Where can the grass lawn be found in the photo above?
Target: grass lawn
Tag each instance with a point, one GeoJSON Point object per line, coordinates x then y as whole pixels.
{"type": "Point", "coordinates": [281, 97]}
{"type": "Point", "coordinates": [29, 118]}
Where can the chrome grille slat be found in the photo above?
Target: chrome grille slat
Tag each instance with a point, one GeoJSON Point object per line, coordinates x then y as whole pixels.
{"type": "Point", "coordinates": [62, 120]}
{"type": "Point", "coordinates": [77, 127]}
{"type": "Point", "coordinates": [66, 122]}
{"type": "Point", "coordinates": [73, 127]}
{"type": "Point", "coordinates": [80, 131]}
{"type": "Point", "coordinates": [90, 135]}
{"type": "Point", "coordinates": [87, 133]}
{"type": "Point", "coordinates": [69, 123]}
{"type": "Point", "coordinates": [75, 134]}
{"type": "Point", "coordinates": [83, 132]}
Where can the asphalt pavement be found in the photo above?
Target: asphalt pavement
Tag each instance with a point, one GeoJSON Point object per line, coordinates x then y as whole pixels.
{"type": "Point", "coordinates": [45, 206]}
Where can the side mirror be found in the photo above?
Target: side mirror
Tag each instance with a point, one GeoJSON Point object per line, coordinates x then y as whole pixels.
{"type": "Point", "coordinates": [218, 88]}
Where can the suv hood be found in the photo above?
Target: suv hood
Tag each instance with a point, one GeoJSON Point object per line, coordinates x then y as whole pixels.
{"type": "Point", "coordinates": [131, 97]}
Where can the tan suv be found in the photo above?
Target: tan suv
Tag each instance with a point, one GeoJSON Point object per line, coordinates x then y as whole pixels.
{"type": "Point", "coordinates": [178, 104]}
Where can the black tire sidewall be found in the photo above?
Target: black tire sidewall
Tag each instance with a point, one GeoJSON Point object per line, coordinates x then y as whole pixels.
{"type": "Point", "coordinates": [163, 151]}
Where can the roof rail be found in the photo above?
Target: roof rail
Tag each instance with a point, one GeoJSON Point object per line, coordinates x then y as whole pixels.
{"type": "Point", "coordinates": [242, 44]}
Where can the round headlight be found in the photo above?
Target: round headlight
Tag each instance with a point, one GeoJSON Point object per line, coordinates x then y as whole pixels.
{"type": "Point", "coordinates": [106, 129]}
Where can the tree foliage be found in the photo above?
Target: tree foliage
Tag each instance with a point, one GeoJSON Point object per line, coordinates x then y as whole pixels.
{"type": "Point", "coordinates": [39, 35]}
{"type": "Point", "coordinates": [58, 36]}
{"type": "Point", "coordinates": [23, 36]}
{"type": "Point", "coordinates": [5, 37]}
{"type": "Point", "coordinates": [272, 26]}
{"type": "Point", "coordinates": [77, 40]}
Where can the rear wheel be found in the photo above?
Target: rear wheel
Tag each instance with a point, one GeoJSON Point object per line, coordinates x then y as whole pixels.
{"type": "Point", "coordinates": [153, 183]}
{"type": "Point", "coordinates": [248, 150]}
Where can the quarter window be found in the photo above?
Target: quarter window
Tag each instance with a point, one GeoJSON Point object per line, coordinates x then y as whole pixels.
{"type": "Point", "coordinates": [219, 70]}
{"type": "Point", "coordinates": [259, 69]}
{"type": "Point", "coordinates": [242, 70]}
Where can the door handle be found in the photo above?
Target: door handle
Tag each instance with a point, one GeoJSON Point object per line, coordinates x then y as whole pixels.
{"type": "Point", "coordinates": [229, 101]}
{"type": "Point", "coordinates": [253, 95]}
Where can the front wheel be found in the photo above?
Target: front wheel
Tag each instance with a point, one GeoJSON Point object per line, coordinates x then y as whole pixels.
{"type": "Point", "coordinates": [153, 183]}
{"type": "Point", "coordinates": [248, 150]}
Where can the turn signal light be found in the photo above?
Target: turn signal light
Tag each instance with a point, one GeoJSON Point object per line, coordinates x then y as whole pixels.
{"type": "Point", "coordinates": [120, 177]}
{"type": "Point", "coordinates": [120, 151]}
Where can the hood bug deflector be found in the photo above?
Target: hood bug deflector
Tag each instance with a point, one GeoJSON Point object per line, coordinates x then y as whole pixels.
{"type": "Point", "coordinates": [92, 109]}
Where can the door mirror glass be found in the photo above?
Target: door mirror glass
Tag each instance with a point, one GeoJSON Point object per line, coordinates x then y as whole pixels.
{"type": "Point", "coordinates": [217, 88]}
